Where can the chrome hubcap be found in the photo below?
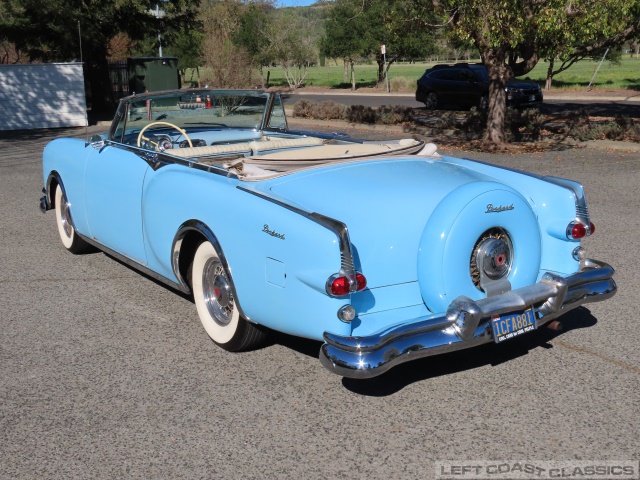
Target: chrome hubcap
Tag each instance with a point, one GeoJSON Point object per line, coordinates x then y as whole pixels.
{"type": "Point", "coordinates": [217, 292]}
{"type": "Point", "coordinates": [65, 217]}
{"type": "Point", "coordinates": [492, 257]}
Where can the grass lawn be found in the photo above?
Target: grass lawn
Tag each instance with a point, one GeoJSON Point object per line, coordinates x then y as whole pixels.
{"type": "Point", "coordinates": [402, 76]}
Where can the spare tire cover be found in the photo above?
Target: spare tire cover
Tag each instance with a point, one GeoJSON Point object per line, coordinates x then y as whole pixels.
{"type": "Point", "coordinates": [455, 227]}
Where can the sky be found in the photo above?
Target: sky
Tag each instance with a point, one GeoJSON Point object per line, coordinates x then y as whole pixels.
{"type": "Point", "coordinates": [294, 3]}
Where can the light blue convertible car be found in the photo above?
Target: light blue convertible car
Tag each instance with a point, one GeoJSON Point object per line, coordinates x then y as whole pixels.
{"type": "Point", "coordinates": [385, 251]}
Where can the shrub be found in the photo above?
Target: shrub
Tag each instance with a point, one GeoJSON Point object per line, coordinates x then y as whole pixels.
{"type": "Point", "coordinates": [402, 84]}
{"type": "Point", "coordinates": [360, 114]}
{"type": "Point", "coordinates": [328, 111]}
{"type": "Point", "coordinates": [391, 115]}
{"type": "Point", "coordinates": [525, 122]}
{"type": "Point", "coordinates": [303, 109]}
{"type": "Point", "coordinates": [476, 121]}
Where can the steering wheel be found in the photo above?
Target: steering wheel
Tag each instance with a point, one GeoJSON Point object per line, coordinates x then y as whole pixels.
{"type": "Point", "coordinates": [152, 124]}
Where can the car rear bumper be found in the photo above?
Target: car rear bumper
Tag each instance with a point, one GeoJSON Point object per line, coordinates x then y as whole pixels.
{"type": "Point", "coordinates": [466, 323]}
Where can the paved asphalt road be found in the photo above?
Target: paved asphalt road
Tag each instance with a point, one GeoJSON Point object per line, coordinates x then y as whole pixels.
{"type": "Point", "coordinates": [107, 374]}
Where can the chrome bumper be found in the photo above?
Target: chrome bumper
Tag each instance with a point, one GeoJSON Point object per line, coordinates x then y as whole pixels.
{"type": "Point", "coordinates": [465, 324]}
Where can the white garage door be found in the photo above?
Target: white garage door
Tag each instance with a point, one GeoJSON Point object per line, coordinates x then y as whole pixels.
{"type": "Point", "coordinates": [46, 95]}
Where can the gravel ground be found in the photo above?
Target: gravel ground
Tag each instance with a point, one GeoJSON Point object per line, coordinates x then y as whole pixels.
{"type": "Point", "coordinates": [107, 374]}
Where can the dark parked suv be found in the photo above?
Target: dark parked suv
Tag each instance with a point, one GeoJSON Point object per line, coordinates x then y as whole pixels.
{"type": "Point", "coordinates": [467, 85]}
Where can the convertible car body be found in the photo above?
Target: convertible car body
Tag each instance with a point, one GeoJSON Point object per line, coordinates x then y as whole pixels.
{"type": "Point", "coordinates": [385, 251]}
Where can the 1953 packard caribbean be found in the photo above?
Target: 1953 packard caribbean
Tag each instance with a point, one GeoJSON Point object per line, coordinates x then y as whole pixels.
{"type": "Point", "coordinates": [386, 251]}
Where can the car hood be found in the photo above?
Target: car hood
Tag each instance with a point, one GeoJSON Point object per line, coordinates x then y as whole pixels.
{"type": "Point", "coordinates": [514, 82]}
{"type": "Point", "coordinates": [384, 203]}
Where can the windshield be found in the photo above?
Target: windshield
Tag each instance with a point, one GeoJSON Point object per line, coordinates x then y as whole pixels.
{"type": "Point", "coordinates": [193, 110]}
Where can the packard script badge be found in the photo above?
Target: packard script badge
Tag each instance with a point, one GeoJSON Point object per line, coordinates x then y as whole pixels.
{"type": "Point", "coordinates": [273, 233]}
{"type": "Point", "coordinates": [501, 208]}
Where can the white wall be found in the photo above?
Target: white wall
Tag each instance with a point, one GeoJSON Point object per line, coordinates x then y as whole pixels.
{"type": "Point", "coordinates": [45, 95]}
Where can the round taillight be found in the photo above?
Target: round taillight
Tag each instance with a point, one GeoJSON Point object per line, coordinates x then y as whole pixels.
{"type": "Point", "coordinates": [340, 286]}
{"type": "Point", "coordinates": [592, 229]}
{"type": "Point", "coordinates": [361, 281]}
{"type": "Point", "coordinates": [578, 231]}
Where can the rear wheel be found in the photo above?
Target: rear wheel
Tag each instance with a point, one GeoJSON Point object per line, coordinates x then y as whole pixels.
{"type": "Point", "coordinates": [70, 239]}
{"type": "Point", "coordinates": [432, 101]}
{"type": "Point", "coordinates": [215, 301]}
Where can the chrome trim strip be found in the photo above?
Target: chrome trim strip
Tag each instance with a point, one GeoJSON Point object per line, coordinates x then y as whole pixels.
{"type": "Point", "coordinates": [204, 230]}
{"type": "Point", "coordinates": [133, 264]}
{"type": "Point", "coordinates": [347, 267]}
{"type": "Point", "coordinates": [465, 324]}
{"type": "Point", "coordinates": [582, 213]}
{"type": "Point", "coordinates": [157, 160]}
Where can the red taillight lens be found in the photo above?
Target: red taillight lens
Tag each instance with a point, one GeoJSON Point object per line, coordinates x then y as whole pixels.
{"type": "Point", "coordinates": [578, 231]}
{"type": "Point", "coordinates": [592, 229]}
{"type": "Point", "coordinates": [340, 286]}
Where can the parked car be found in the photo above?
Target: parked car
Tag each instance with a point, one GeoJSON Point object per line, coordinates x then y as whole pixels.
{"type": "Point", "coordinates": [467, 85]}
{"type": "Point", "coordinates": [385, 251]}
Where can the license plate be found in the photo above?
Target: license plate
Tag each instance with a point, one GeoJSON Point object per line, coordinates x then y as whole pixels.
{"type": "Point", "coordinates": [511, 325]}
{"type": "Point", "coordinates": [532, 98]}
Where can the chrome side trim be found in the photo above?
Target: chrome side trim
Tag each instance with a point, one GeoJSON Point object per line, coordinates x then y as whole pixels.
{"type": "Point", "coordinates": [347, 266]}
{"type": "Point", "coordinates": [133, 264]}
{"type": "Point", "coordinates": [465, 324]}
{"type": "Point", "coordinates": [205, 231]}
{"type": "Point", "coordinates": [582, 212]}
{"type": "Point", "coordinates": [157, 160]}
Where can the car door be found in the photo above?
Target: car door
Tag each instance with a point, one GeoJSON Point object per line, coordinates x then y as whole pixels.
{"type": "Point", "coordinates": [114, 177]}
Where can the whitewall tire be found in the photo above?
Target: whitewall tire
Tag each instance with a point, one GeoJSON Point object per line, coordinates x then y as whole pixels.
{"type": "Point", "coordinates": [214, 296]}
{"type": "Point", "coordinates": [68, 236]}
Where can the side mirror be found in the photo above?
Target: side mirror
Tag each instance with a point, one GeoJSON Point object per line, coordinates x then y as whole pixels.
{"type": "Point", "coordinates": [96, 141]}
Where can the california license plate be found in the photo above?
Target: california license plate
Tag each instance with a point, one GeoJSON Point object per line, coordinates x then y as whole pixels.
{"type": "Point", "coordinates": [511, 325]}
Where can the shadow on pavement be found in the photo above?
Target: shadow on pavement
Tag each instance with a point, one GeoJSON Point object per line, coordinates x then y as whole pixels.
{"type": "Point", "coordinates": [406, 374]}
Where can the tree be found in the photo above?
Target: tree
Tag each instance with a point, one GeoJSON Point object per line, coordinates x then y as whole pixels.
{"type": "Point", "coordinates": [358, 28]}
{"type": "Point", "coordinates": [254, 34]}
{"type": "Point", "coordinates": [586, 31]}
{"type": "Point", "coordinates": [344, 35]}
{"type": "Point", "coordinates": [293, 45]}
{"type": "Point", "coordinates": [229, 62]}
{"type": "Point", "coordinates": [54, 30]}
{"type": "Point", "coordinates": [512, 35]}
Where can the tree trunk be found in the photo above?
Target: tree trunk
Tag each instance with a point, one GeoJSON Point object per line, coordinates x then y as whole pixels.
{"type": "Point", "coordinates": [549, 75]}
{"type": "Point", "coordinates": [495, 136]}
{"type": "Point", "coordinates": [353, 76]}
{"type": "Point", "coordinates": [380, 78]}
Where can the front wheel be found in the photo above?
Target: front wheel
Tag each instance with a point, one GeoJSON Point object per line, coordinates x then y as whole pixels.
{"type": "Point", "coordinates": [68, 235]}
{"type": "Point", "coordinates": [215, 301]}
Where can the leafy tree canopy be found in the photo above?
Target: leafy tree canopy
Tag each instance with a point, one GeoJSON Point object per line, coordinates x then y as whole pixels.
{"type": "Point", "coordinates": [513, 35]}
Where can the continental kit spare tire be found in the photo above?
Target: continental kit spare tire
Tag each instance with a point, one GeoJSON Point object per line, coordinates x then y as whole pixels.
{"type": "Point", "coordinates": [484, 221]}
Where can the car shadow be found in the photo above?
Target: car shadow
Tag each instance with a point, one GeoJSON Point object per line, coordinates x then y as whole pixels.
{"type": "Point", "coordinates": [406, 374]}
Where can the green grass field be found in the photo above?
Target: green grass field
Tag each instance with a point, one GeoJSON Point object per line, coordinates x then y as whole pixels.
{"type": "Point", "coordinates": [402, 76]}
